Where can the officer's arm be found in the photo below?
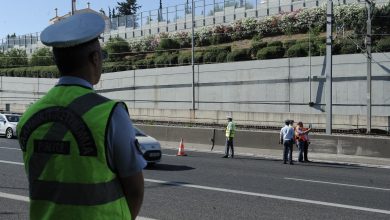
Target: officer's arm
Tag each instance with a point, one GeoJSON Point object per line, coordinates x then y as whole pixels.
{"type": "Point", "coordinates": [133, 187]}
{"type": "Point", "coordinates": [126, 159]}
{"type": "Point", "coordinates": [281, 136]}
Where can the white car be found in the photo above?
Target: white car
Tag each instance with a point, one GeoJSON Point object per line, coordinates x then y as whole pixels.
{"type": "Point", "coordinates": [8, 124]}
{"type": "Point", "coordinates": [150, 147]}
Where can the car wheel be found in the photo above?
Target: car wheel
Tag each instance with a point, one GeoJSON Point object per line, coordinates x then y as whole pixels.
{"type": "Point", "coordinates": [9, 133]}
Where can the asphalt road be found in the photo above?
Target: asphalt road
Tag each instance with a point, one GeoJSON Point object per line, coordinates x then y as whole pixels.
{"type": "Point", "coordinates": [206, 186]}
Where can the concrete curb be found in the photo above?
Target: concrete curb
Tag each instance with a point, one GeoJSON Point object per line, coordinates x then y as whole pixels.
{"type": "Point", "coordinates": [369, 162]}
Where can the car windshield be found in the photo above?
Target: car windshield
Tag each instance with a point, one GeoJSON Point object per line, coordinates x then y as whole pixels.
{"type": "Point", "coordinates": [13, 118]}
{"type": "Point", "coordinates": [139, 133]}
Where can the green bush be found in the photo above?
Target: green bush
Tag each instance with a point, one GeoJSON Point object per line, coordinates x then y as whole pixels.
{"type": "Point", "coordinates": [221, 57]}
{"type": "Point", "coordinates": [273, 52]}
{"type": "Point", "coordinates": [184, 58]}
{"type": "Point", "coordinates": [36, 71]}
{"type": "Point", "coordinates": [168, 44]}
{"type": "Point", "coordinates": [141, 64]}
{"type": "Point", "coordinates": [109, 67]}
{"type": "Point", "coordinates": [256, 46]}
{"type": "Point", "coordinates": [256, 38]}
{"type": "Point", "coordinates": [173, 59]}
{"type": "Point", "coordinates": [210, 57]}
{"type": "Point", "coordinates": [287, 44]}
{"type": "Point", "coordinates": [383, 45]}
{"type": "Point", "coordinates": [42, 57]}
{"type": "Point", "coordinates": [220, 39]}
{"type": "Point", "coordinates": [198, 58]}
{"type": "Point", "coordinates": [13, 58]}
{"type": "Point", "coordinates": [322, 49]}
{"type": "Point", "coordinates": [275, 44]}
{"type": "Point", "coordinates": [219, 49]}
{"type": "Point", "coordinates": [347, 46]}
{"type": "Point", "coordinates": [200, 42]}
{"type": "Point", "coordinates": [116, 48]}
{"type": "Point", "coordinates": [162, 60]}
{"type": "Point", "coordinates": [238, 55]}
{"type": "Point", "coordinates": [297, 50]}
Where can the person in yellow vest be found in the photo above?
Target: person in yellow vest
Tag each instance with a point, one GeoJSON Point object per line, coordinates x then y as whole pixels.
{"type": "Point", "coordinates": [230, 131]}
{"type": "Point", "coordinates": [302, 139]}
{"type": "Point", "coordinates": [79, 148]}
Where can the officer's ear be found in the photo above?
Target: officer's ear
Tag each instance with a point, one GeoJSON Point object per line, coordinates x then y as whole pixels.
{"type": "Point", "coordinates": [95, 58]}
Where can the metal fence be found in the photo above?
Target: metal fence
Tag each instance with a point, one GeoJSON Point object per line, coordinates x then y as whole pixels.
{"type": "Point", "coordinates": [179, 18]}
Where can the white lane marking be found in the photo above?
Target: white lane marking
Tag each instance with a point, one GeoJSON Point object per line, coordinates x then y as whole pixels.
{"type": "Point", "coordinates": [9, 148]}
{"type": "Point", "coordinates": [169, 155]}
{"type": "Point", "coordinates": [26, 199]}
{"type": "Point", "coordinates": [339, 184]}
{"type": "Point", "coordinates": [337, 205]}
{"type": "Point", "coordinates": [11, 162]}
{"type": "Point", "coordinates": [14, 197]}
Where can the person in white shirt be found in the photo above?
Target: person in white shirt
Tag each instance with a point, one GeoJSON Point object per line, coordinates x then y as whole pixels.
{"type": "Point", "coordinates": [287, 139]}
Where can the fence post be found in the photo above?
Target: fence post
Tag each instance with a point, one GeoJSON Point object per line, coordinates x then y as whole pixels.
{"type": "Point", "coordinates": [176, 17]}
{"type": "Point", "coordinates": [245, 8]}
{"type": "Point", "coordinates": [167, 20]}
{"type": "Point", "coordinates": [214, 12]}
{"type": "Point", "coordinates": [224, 11]}
{"type": "Point", "coordinates": [267, 7]}
{"type": "Point", "coordinates": [204, 12]}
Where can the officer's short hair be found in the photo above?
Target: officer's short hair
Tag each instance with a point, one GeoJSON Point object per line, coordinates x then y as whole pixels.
{"type": "Point", "coordinates": [71, 59]}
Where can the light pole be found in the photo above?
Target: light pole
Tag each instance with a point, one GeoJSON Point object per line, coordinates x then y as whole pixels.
{"type": "Point", "coordinates": [328, 65]}
{"type": "Point", "coordinates": [193, 54]}
{"type": "Point", "coordinates": [368, 48]}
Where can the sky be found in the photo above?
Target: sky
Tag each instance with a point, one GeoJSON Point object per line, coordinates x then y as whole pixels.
{"type": "Point", "coordinates": [31, 16]}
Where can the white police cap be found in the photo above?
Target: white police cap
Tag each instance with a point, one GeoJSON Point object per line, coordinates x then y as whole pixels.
{"type": "Point", "coordinates": [74, 30]}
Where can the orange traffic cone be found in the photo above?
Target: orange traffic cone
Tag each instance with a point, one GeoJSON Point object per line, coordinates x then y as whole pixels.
{"type": "Point", "coordinates": [181, 149]}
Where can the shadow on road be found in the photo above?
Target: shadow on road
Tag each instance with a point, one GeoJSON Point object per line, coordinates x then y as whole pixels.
{"type": "Point", "coordinates": [312, 164]}
{"type": "Point", "coordinates": [168, 167]}
{"type": "Point", "coordinates": [331, 165]}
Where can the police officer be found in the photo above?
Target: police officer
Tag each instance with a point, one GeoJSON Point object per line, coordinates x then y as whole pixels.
{"type": "Point", "coordinates": [79, 147]}
{"type": "Point", "coordinates": [230, 131]}
{"type": "Point", "coordinates": [287, 139]}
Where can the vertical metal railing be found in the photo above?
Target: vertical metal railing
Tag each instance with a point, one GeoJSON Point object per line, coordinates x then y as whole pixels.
{"type": "Point", "coordinates": [210, 16]}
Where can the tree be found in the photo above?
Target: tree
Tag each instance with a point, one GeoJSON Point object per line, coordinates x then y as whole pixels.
{"type": "Point", "coordinates": [117, 48]}
{"type": "Point", "coordinates": [3, 60]}
{"type": "Point", "coordinates": [42, 57]}
{"type": "Point", "coordinates": [113, 13]}
{"type": "Point", "coordinates": [128, 7]}
{"type": "Point", "coordinates": [16, 58]}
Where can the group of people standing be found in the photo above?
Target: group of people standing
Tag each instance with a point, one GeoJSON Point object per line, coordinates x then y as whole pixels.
{"type": "Point", "coordinates": [299, 135]}
{"type": "Point", "coordinates": [289, 135]}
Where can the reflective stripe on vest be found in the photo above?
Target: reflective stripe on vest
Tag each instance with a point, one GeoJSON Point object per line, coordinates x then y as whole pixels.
{"type": "Point", "coordinates": [65, 131]}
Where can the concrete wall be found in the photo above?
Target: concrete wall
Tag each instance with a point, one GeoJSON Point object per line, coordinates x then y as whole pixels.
{"type": "Point", "coordinates": [333, 144]}
{"type": "Point", "coordinates": [262, 92]}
